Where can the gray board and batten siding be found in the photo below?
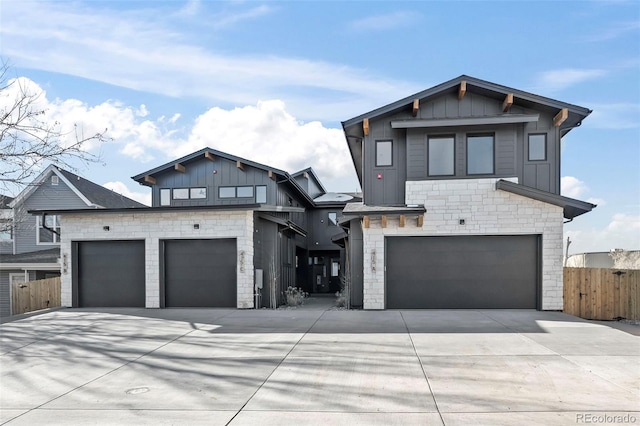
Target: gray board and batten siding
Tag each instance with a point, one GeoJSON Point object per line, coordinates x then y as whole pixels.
{"type": "Point", "coordinates": [384, 185]}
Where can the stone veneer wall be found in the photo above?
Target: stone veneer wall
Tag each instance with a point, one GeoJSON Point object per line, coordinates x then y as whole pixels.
{"type": "Point", "coordinates": [486, 211]}
{"type": "Point", "coordinates": [152, 227]}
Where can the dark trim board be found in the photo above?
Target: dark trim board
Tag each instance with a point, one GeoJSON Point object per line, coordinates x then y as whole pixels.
{"type": "Point", "coordinates": [463, 272]}
{"type": "Point", "coordinates": [108, 274]}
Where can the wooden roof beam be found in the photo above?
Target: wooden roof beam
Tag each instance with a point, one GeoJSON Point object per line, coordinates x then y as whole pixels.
{"type": "Point", "coordinates": [402, 220]}
{"type": "Point", "coordinates": [420, 221]}
{"type": "Point", "coordinates": [508, 101]}
{"type": "Point", "coordinates": [150, 180]}
{"type": "Point", "coordinates": [180, 168]}
{"type": "Point", "coordinates": [462, 90]}
{"type": "Point", "coordinates": [416, 107]}
{"type": "Point", "coordinates": [272, 175]}
{"type": "Point", "coordinates": [209, 156]}
{"type": "Point", "coordinates": [240, 165]}
{"type": "Point", "coordinates": [383, 221]}
{"type": "Point", "coordinates": [560, 117]}
{"type": "Point", "coordinates": [365, 222]}
{"type": "Point", "coordinates": [365, 126]}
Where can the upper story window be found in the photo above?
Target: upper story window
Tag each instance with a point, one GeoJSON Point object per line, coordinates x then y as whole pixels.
{"type": "Point", "coordinates": [537, 147]}
{"type": "Point", "coordinates": [55, 180]}
{"type": "Point", "coordinates": [333, 218]}
{"type": "Point", "coordinates": [261, 194]}
{"type": "Point", "coordinates": [197, 193]}
{"type": "Point", "coordinates": [6, 230]}
{"type": "Point", "coordinates": [441, 156]}
{"type": "Point", "coordinates": [480, 154]}
{"type": "Point", "coordinates": [384, 153]}
{"type": "Point", "coordinates": [165, 197]}
{"type": "Point", "coordinates": [47, 236]}
{"type": "Point", "coordinates": [183, 194]}
{"type": "Point", "coordinates": [245, 192]}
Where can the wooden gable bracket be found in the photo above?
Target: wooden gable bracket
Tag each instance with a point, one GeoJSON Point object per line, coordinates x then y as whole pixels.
{"type": "Point", "coordinates": [209, 156]}
{"type": "Point", "coordinates": [272, 175]}
{"type": "Point", "coordinates": [365, 222]}
{"type": "Point", "coordinates": [383, 221]}
{"type": "Point", "coordinates": [150, 179]}
{"type": "Point", "coordinates": [560, 117]}
{"type": "Point", "coordinates": [305, 175]}
{"type": "Point", "coordinates": [365, 126]}
{"type": "Point", "coordinates": [180, 168]}
{"type": "Point", "coordinates": [463, 90]}
{"type": "Point", "coordinates": [420, 221]}
{"type": "Point", "coordinates": [240, 165]}
{"type": "Point", "coordinates": [401, 221]}
{"type": "Point", "coordinates": [508, 101]}
{"type": "Point", "coordinates": [416, 106]}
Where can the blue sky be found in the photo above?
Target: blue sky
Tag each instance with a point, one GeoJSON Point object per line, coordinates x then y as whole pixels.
{"type": "Point", "coordinates": [272, 80]}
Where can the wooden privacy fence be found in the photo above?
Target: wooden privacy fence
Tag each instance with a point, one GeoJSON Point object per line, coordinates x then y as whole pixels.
{"type": "Point", "coordinates": [35, 295]}
{"type": "Point", "coordinates": [602, 294]}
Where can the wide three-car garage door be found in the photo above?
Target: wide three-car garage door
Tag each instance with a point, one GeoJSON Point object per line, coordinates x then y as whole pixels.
{"type": "Point", "coordinates": [110, 274]}
{"type": "Point", "coordinates": [200, 273]}
{"type": "Point", "coordinates": [462, 272]}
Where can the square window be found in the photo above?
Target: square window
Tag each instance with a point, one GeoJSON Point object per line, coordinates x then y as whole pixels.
{"type": "Point", "coordinates": [441, 156]}
{"type": "Point", "coordinates": [537, 147]}
{"type": "Point", "coordinates": [181, 194]}
{"type": "Point", "coordinates": [245, 191]}
{"type": "Point", "coordinates": [261, 194]}
{"type": "Point", "coordinates": [165, 197]}
{"type": "Point", "coordinates": [227, 192]}
{"type": "Point", "coordinates": [50, 235]}
{"type": "Point", "coordinates": [333, 218]}
{"type": "Point", "coordinates": [384, 153]}
{"type": "Point", "coordinates": [55, 180]}
{"type": "Point", "coordinates": [480, 155]}
{"type": "Point", "coordinates": [198, 193]}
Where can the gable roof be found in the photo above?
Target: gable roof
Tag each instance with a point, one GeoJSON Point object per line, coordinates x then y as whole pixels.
{"type": "Point", "coordinates": [473, 85]}
{"type": "Point", "coordinates": [198, 155]}
{"type": "Point", "coordinates": [312, 174]}
{"type": "Point", "coordinates": [92, 194]}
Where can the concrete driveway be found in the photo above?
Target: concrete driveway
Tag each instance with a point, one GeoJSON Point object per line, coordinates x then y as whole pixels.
{"type": "Point", "coordinates": [315, 366]}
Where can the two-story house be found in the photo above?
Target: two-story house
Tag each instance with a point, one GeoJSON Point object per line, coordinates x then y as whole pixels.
{"type": "Point", "coordinates": [461, 199]}
{"type": "Point", "coordinates": [30, 245]}
{"type": "Point", "coordinates": [222, 231]}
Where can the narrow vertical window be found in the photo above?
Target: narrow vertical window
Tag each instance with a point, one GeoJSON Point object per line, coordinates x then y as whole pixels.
{"type": "Point", "coordinates": [441, 156]}
{"type": "Point", "coordinates": [261, 194]}
{"type": "Point", "coordinates": [333, 218]}
{"type": "Point", "coordinates": [165, 197]}
{"type": "Point", "coordinates": [480, 153]}
{"type": "Point", "coordinates": [384, 153]}
{"type": "Point", "coordinates": [537, 147]}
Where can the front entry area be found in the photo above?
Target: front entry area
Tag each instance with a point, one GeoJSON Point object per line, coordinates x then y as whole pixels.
{"type": "Point", "coordinates": [463, 272]}
{"type": "Point", "coordinates": [199, 273]}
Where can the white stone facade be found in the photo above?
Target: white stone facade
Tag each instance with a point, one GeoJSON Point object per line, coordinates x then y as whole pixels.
{"type": "Point", "coordinates": [486, 211]}
{"type": "Point", "coordinates": [153, 227]}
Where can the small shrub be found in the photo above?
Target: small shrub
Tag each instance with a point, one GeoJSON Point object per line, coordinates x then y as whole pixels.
{"type": "Point", "coordinates": [295, 296]}
{"type": "Point", "coordinates": [341, 299]}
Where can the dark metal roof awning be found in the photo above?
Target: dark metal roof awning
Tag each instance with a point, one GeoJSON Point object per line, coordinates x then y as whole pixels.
{"type": "Point", "coordinates": [571, 207]}
{"type": "Point", "coordinates": [286, 225]}
{"type": "Point", "coordinates": [465, 121]}
{"type": "Point", "coordinates": [360, 209]}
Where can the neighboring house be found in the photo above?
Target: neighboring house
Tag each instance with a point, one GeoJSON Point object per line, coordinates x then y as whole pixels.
{"type": "Point", "coordinates": [619, 259]}
{"type": "Point", "coordinates": [30, 245]}
{"type": "Point", "coordinates": [461, 199]}
{"type": "Point", "coordinates": [222, 231]}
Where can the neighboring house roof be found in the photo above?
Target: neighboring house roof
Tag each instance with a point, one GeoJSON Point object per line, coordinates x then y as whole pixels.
{"type": "Point", "coordinates": [34, 259]}
{"type": "Point", "coordinates": [333, 198]}
{"type": "Point", "coordinates": [473, 85]}
{"type": "Point", "coordinates": [311, 174]}
{"type": "Point", "coordinates": [571, 207]}
{"type": "Point", "coordinates": [92, 194]}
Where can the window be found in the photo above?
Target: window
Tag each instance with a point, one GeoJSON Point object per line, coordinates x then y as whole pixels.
{"type": "Point", "coordinates": [480, 155]}
{"type": "Point", "coordinates": [165, 197]}
{"type": "Point", "coordinates": [46, 236]}
{"type": "Point", "coordinates": [333, 218]}
{"type": "Point", "coordinates": [227, 192]}
{"type": "Point", "coordinates": [441, 156]}
{"type": "Point", "coordinates": [6, 230]}
{"type": "Point", "coordinates": [537, 147]}
{"type": "Point", "coordinates": [384, 153]}
{"type": "Point", "coordinates": [181, 194]}
{"type": "Point", "coordinates": [335, 268]}
{"type": "Point", "coordinates": [261, 194]}
{"type": "Point", "coordinates": [198, 193]}
{"type": "Point", "coordinates": [55, 180]}
{"type": "Point", "coordinates": [245, 191]}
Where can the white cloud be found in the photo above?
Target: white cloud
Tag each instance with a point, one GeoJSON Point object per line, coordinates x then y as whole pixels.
{"type": "Point", "coordinates": [572, 187]}
{"type": "Point", "coordinates": [625, 223]}
{"type": "Point", "coordinates": [619, 29]}
{"type": "Point", "coordinates": [121, 188]}
{"type": "Point", "coordinates": [614, 116]}
{"type": "Point", "coordinates": [398, 19]}
{"type": "Point", "coordinates": [622, 232]}
{"type": "Point", "coordinates": [556, 80]}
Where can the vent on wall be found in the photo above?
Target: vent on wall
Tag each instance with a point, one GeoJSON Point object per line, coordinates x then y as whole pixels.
{"type": "Point", "coordinates": [55, 179]}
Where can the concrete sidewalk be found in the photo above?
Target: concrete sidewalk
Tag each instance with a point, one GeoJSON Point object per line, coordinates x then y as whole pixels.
{"type": "Point", "coordinates": [315, 366]}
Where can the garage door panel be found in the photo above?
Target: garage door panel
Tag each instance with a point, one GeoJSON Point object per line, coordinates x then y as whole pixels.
{"type": "Point", "coordinates": [200, 273]}
{"type": "Point", "coordinates": [111, 274]}
{"type": "Point", "coordinates": [467, 272]}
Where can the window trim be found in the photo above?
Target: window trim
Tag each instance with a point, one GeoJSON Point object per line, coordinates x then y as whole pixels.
{"type": "Point", "coordinates": [453, 138]}
{"type": "Point", "coordinates": [493, 148]}
{"type": "Point", "coordinates": [390, 141]}
{"type": "Point", "coordinates": [529, 146]}
{"type": "Point", "coordinates": [56, 226]}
